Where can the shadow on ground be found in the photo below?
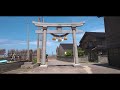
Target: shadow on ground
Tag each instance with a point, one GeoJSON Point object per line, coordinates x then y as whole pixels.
{"type": "Point", "coordinates": [107, 65]}
{"type": "Point", "coordinates": [60, 65]}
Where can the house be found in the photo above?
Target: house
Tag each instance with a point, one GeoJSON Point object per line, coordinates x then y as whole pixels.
{"type": "Point", "coordinates": [112, 29]}
{"type": "Point", "coordinates": [63, 47]}
{"type": "Point", "coordinates": [93, 43]}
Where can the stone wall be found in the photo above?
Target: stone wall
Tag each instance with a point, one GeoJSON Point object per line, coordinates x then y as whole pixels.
{"type": "Point", "coordinates": [112, 30]}
{"type": "Point", "coordinates": [10, 66]}
{"type": "Point", "coordinates": [114, 57]}
{"type": "Point", "coordinates": [83, 59]}
{"type": "Point", "coordinates": [70, 59]}
{"type": "Point", "coordinates": [67, 59]}
{"type": "Point", "coordinates": [103, 59]}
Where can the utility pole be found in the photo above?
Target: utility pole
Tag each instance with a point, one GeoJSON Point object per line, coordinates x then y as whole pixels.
{"type": "Point", "coordinates": [52, 53]}
{"type": "Point", "coordinates": [42, 19]}
{"type": "Point", "coordinates": [38, 40]}
{"type": "Point", "coordinates": [28, 42]}
{"type": "Point", "coordinates": [41, 35]}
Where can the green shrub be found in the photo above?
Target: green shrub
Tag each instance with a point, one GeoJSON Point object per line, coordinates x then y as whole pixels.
{"type": "Point", "coordinates": [81, 52]}
{"type": "Point", "coordinates": [35, 60]}
{"type": "Point", "coordinates": [69, 53]}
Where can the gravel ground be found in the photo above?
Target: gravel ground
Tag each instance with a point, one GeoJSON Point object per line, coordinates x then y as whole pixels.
{"type": "Point", "coordinates": [60, 67]}
{"type": "Point", "coordinates": [57, 70]}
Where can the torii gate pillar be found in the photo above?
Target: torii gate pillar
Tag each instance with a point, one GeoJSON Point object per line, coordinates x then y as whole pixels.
{"type": "Point", "coordinates": [75, 51]}
{"type": "Point", "coordinates": [43, 60]}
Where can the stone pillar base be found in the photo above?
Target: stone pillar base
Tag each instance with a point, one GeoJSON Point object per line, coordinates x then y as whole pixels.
{"type": "Point", "coordinates": [26, 63]}
{"type": "Point", "coordinates": [76, 65]}
{"type": "Point", "coordinates": [44, 66]}
{"type": "Point", "coordinates": [29, 66]}
{"type": "Point", "coordinates": [38, 64]}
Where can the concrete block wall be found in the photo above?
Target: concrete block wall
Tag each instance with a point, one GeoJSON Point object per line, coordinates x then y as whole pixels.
{"type": "Point", "coordinates": [67, 59]}
{"type": "Point", "coordinates": [103, 59]}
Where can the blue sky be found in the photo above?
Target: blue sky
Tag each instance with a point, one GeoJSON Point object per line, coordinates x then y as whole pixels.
{"type": "Point", "coordinates": [13, 30]}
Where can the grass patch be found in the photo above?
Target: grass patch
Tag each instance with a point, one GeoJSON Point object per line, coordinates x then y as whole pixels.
{"type": "Point", "coordinates": [34, 60]}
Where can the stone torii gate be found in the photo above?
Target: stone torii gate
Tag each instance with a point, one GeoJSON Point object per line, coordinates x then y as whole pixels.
{"type": "Point", "coordinates": [59, 30]}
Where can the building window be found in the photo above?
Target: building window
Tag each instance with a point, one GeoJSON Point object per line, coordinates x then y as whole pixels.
{"type": "Point", "coordinates": [90, 44]}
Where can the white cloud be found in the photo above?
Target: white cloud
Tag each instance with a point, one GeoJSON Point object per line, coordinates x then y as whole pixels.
{"type": "Point", "coordinates": [52, 43]}
{"type": "Point", "coordinates": [10, 42]}
{"type": "Point", "coordinates": [22, 42]}
{"type": "Point", "coordinates": [33, 42]}
{"type": "Point", "coordinates": [79, 35]}
{"type": "Point", "coordinates": [15, 42]}
{"type": "Point", "coordinates": [49, 43]}
{"type": "Point", "coordinates": [98, 30]}
{"type": "Point", "coordinates": [2, 40]}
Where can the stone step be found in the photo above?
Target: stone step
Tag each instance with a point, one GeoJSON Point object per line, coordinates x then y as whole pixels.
{"type": "Point", "coordinates": [28, 66]}
{"type": "Point", "coordinates": [28, 63]}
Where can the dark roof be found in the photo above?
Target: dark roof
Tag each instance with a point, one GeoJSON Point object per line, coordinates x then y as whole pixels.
{"type": "Point", "coordinates": [98, 35]}
{"type": "Point", "coordinates": [67, 45]}
{"type": "Point", "coordinates": [100, 47]}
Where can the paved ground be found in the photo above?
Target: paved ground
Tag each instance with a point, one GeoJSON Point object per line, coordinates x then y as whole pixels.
{"type": "Point", "coordinates": [60, 67]}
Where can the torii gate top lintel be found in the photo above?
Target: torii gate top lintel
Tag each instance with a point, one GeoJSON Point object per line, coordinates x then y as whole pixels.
{"type": "Point", "coordinates": [41, 24]}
